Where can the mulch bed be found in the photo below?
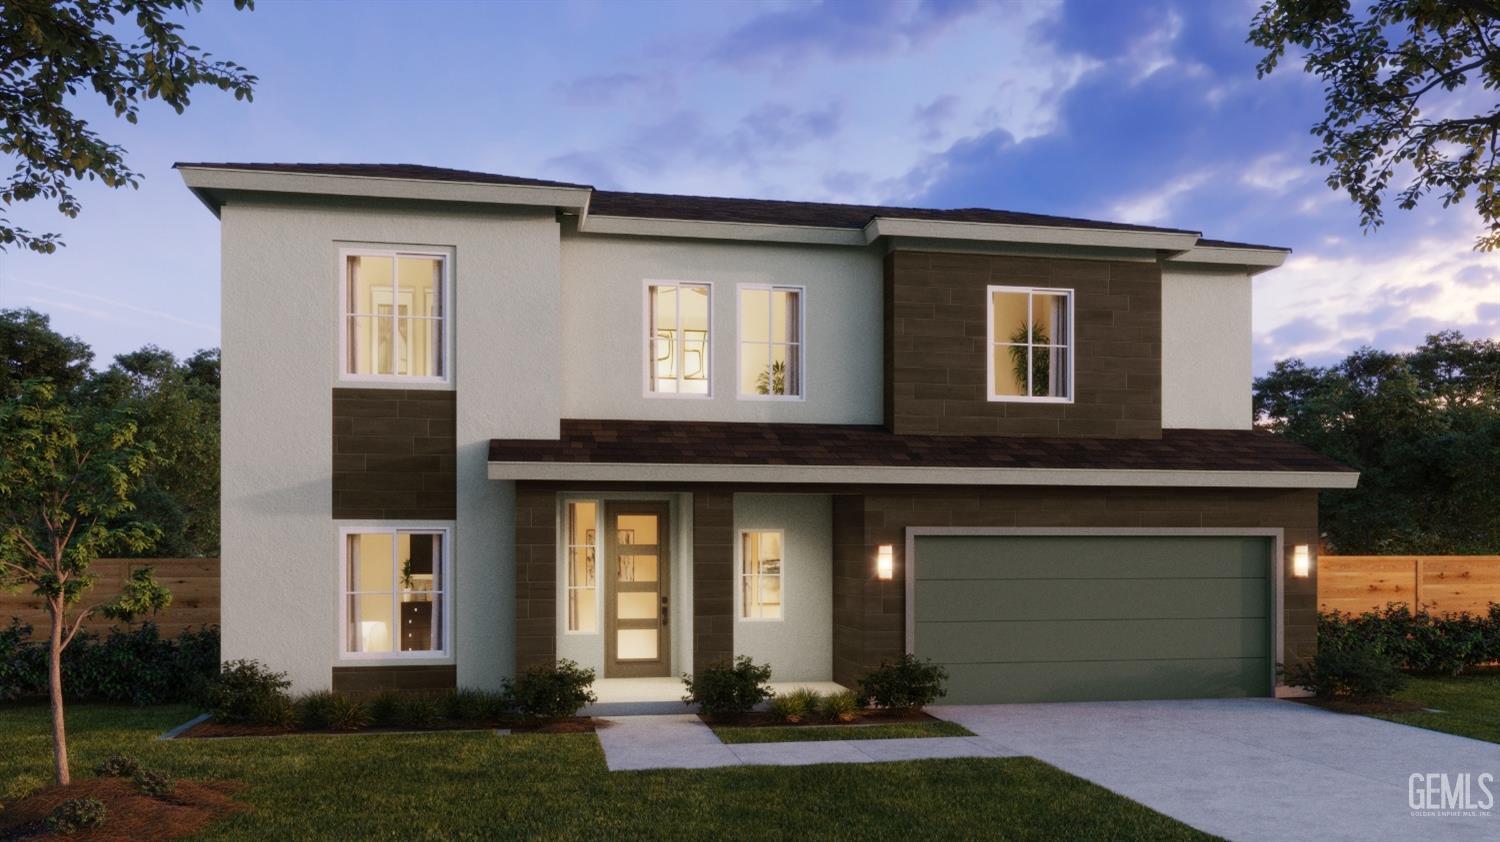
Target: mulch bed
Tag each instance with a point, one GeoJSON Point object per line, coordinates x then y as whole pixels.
{"type": "Point", "coordinates": [571, 725]}
{"type": "Point", "coordinates": [131, 815]}
{"type": "Point", "coordinates": [1364, 707]}
{"type": "Point", "coordinates": [766, 719]}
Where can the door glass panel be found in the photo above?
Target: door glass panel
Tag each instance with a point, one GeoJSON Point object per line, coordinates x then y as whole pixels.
{"type": "Point", "coordinates": [635, 644]}
{"type": "Point", "coordinates": [636, 529]}
{"type": "Point", "coordinates": [637, 605]}
{"type": "Point", "coordinates": [637, 568]}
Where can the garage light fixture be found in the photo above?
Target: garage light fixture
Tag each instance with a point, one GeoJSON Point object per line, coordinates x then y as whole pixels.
{"type": "Point", "coordinates": [885, 562]}
{"type": "Point", "coordinates": [1301, 561]}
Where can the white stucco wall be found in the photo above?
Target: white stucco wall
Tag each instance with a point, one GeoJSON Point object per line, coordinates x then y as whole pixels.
{"type": "Point", "coordinates": [798, 647]}
{"type": "Point", "coordinates": [604, 330]}
{"type": "Point", "coordinates": [1205, 349]}
{"type": "Point", "coordinates": [280, 576]}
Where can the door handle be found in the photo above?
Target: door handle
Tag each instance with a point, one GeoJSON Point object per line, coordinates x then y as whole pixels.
{"type": "Point", "coordinates": [665, 615]}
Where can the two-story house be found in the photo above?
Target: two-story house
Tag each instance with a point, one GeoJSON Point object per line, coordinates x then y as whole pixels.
{"type": "Point", "coordinates": [473, 423]}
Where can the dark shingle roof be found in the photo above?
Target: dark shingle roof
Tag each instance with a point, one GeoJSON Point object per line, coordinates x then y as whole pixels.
{"type": "Point", "coordinates": [417, 172]}
{"type": "Point", "coordinates": [721, 443]}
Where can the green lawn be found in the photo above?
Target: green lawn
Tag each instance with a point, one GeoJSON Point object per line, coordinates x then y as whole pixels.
{"type": "Point", "coordinates": [812, 733]}
{"type": "Point", "coordinates": [1470, 704]}
{"type": "Point", "coordinates": [480, 785]}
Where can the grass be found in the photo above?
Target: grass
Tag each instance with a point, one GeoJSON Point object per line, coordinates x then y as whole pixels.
{"type": "Point", "coordinates": [1470, 704]}
{"type": "Point", "coordinates": [812, 733]}
{"type": "Point", "coordinates": [479, 785]}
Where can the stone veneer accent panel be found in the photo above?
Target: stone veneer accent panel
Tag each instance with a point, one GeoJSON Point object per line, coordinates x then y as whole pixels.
{"type": "Point", "coordinates": [713, 578]}
{"type": "Point", "coordinates": [394, 454]}
{"type": "Point", "coordinates": [935, 337]}
{"type": "Point", "coordinates": [536, 576]}
{"type": "Point", "coordinates": [875, 629]}
{"type": "Point", "coordinates": [405, 677]}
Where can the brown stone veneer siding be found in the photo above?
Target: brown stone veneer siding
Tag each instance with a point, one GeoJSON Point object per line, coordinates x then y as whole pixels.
{"type": "Point", "coordinates": [394, 454]}
{"type": "Point", "coordinates": [869, 619]}
{"type": "Point", "coordinates": [536, 576]}
{"type": "Point", "coordinates": [713, 578]}
{"type": "Point", "coordinates": [936, 334]}
{"type": "Point", "coordinates": [405, 677]}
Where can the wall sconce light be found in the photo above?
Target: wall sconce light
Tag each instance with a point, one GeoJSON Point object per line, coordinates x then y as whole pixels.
{"type": "Point", "coordinates": [885, 562]}
{"type": "Point", "coordinates": [1301, 561]}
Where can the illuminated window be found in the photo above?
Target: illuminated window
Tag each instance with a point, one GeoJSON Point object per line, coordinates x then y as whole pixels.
{"type": "Point", "coordinates": [760, 574]}
{"type": "Point", "coordinates": [770, 341]}
{"type": "Point", "coordinates": [678, 325]}
{"type": "Point", "coordinates": [395, 591]}
{"type": "Point", "coordinates": [581, 582]}
{"type": "Point", "coordinates": [1030, 344]}
{"type": "Point", "coordinates": [395, 317]}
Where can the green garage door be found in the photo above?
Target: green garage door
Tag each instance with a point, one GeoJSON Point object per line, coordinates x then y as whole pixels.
{"type": "Point", "coordinates": [1070, 618]}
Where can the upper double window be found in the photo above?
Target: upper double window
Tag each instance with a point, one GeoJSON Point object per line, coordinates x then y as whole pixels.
{"type": "Point", "coordinates": [679, 321]}
{"type": "Point", "coordinates": [1030, 344]}
{"type": "Point", "coordinates": [395, 316]}
{"type": "Point", "coordinates": [770, 341]}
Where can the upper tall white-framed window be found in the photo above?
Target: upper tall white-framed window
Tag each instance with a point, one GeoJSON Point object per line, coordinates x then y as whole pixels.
{"type": "Point", "coordinates": [762, 576]}
{"type": "Point", "coordinates": [394, 307]}
{"type": "Point", "coordinates": [679, 338]}
{"type": "Point", "coordinates": [1029, 347]}
{"type": "Point", "coordinates": [771, 342]}
{"type": "Point", "coordinates": [395, 592]}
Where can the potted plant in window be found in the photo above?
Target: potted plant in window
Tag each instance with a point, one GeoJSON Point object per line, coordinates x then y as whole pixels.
{"type": "Point", "coordinates": [1043, 364]}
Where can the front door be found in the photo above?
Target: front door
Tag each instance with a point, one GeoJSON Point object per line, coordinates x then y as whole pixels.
{"type": "Point", "coordinates": [636, 644]}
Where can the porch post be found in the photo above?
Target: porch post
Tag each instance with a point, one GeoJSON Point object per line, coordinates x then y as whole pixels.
{"type": "Point", "coordinates": [713, 578]}
{"type": "Point", "coordinates": [536, 577]}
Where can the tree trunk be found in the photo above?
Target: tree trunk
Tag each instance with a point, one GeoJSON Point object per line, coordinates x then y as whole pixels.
{"type": "Point", "coordinates": [54, 688]}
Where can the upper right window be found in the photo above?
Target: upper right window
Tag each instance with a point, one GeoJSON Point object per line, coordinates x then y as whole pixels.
{"type": "Point", "coordinates": [1030, 344]}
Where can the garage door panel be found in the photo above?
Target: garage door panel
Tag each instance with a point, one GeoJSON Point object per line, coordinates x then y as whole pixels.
{"type": "Point", "coordinates": [1108, 680]}
{"type": "Point", "coordinates": [1050, 557]}
{"type": "Point", "coordinates": [1125, 599]}
{"type": "Point", "coordinates": [1090, 640]}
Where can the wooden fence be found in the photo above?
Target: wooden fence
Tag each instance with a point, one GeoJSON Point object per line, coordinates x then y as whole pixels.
{"type": "Point", "coordinates": [1442, 583]}
{"type": "Point", "coordinates": [194, 583]}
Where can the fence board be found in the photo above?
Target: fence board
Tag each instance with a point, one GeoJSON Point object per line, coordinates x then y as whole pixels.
{"type": "Point", "coordinates": [194, 583]}
{"type": "Point", "coordinates": [1443, 584]}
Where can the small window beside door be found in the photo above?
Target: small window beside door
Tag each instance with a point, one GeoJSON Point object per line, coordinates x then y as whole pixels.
{"type": "Point", "coordinates": [395, 316]}
{"type": "Point", "coordinates": [770, 353]}
{"type": "Point", "coordinates": [1030, 344]}
{"type": "Point", "coordinates": [582, 580]}
{"type": "Point", "coordinates": [679, 323]}
{"type": "Point", "coordinates": [761, 582]}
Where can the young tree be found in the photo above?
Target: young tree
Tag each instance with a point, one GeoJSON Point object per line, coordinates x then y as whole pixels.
{"type": "Point", "coordinates": [66, 476]}
{"type": "Point", "coordinates": [54, 51]}
{"type": "Point", "coordinates": [1409, 87]}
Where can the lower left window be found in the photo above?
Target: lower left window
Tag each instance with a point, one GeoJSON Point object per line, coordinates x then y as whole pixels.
{"type": "Point", "coordinates": [395, 591]}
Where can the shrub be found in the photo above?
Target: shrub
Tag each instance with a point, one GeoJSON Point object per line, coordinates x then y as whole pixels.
{"type": "Point", "coordinates": [348, 714]}
{"type": "Point", "coordinates": [155, 784]}
{"type": "Point", "coordinates": [134, 665]}
{"type": "Point", "coordinates": [553, 692]}
{"type": "Point", "coordinates": [1416, 641]}
{"type": "Point", "coordinates": [797, 705]}
{"type": "Point", "coordinates": [475, 705]}
{"type": "Point", "coordinates": [314, 711]}
{"type": "Point", "coordinates": [841, 705]}
{"type": "Point", "coordinates": [385, 709]}
{"type": "Point", "coordinates": [1351, 671]}
{"type": "Point", "coordinates": [910, 683]}
{"type": "Point", "coordinates": [23, 665]}
{"type": "Point", "coordinates": [729, 688]}
{"type": "Point", "coordinates": [415, 710]}
{"type": "Point", "coordinates": [246, 692]}
{"type": "Point", "coordinates": [77, 814]}
{"type": "Point", "coordinates": [118, 766]}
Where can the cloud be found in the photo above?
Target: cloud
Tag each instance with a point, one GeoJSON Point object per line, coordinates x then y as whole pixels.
{"type": "Point", "coordinates": [1155, 206]}
{"type": "Point", "coordinates": [933, 117]}
{"type": "Point", "coordinates": [114, 313]}
{"type": "Point", "coordinates": [783, 127]}
{"type": "Point", "coordinates": [840, 29]}
{"type": "Point", "coordinates": [610, 88]}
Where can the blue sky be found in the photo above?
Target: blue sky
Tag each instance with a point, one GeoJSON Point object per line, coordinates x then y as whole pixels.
{"type": "Point", "coordinates": [1144, 111]}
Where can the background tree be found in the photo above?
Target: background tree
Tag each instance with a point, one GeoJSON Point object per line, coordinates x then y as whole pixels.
{"type": "Point", "coordinates": [1410, 94]}
{"type": "Point", "coordinates": [30, 348]}
{"type": "Point", "coordinates": [1423, 428]}
{"type": "Point", "coordinates": [51, 52]}
{"type": "Point", "coordinates": [66, 477]}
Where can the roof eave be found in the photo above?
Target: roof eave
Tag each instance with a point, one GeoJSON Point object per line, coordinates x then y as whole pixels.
{"type": "Point", "coordinates": [1171, 241]}
{"type": "Point", "coordinates": [209, 184]}
{"type": "Point", "coordinates": [1254, 260]}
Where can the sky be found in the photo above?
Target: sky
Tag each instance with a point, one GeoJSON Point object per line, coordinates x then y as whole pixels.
{"type": "Point", "coordinates": [1147, 111]}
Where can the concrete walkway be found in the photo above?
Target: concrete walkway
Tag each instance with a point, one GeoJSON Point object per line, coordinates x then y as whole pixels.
{"type": "Point", "coordinates": [682, 741]}
{"type": "Point", "coordinates": [1251, 769]}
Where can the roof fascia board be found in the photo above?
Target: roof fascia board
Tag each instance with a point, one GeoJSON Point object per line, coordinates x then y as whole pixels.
{"type": "Point", "coordinates": [596, 223]}
{"type": "Point", "coordinates": [206, 180]}
{"type": "Point", "coordinates": [912, 475]}
{"type": "Point", "coordinates": [882, 226]}
{"type": "Point", "coordinates": [1254, 260]}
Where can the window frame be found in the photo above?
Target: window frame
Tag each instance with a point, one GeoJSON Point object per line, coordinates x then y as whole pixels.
{"type": "Point", "coordinates": [564, 587]}
{"type": "Point", "coordinates": [445, 347]}
{"type": "Point", "coordinates": [446, 594]}
{"type": "Point", "coordinates": [646, 337]}
{"type": "Point", "coordinates": [741, 575]}
{"type": "Point", "coordinates": [801, 343]}
{"type": "Point", "coordinates": [1071, 347]}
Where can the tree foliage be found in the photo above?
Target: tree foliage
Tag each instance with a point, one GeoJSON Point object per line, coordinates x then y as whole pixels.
{"type": "Point", "coordinates": [1401, 101]}
{"type": "Point", "coordinates": [52, 53]}
{"type": "Point", "coordinates": [30, 349]}
{"type": "Point", "coordinates": [1423, 428]}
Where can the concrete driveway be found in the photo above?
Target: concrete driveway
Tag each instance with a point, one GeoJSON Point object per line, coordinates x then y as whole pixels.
{"type": "Point", "coordinates": [1251, 769]}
